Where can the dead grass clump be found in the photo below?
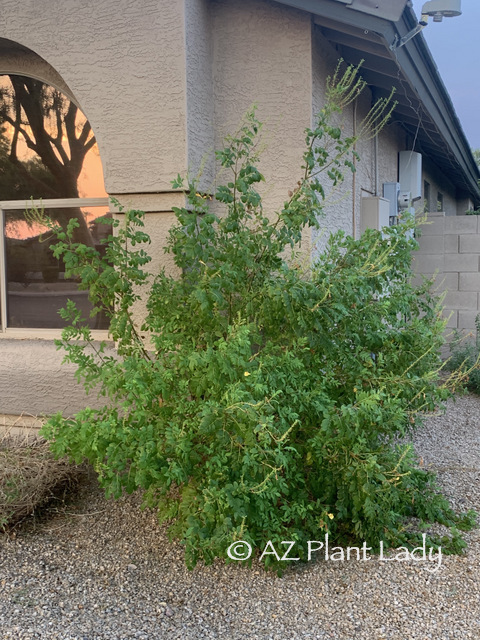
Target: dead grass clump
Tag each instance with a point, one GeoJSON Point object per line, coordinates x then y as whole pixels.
{"type": "Point", "coordinates": [29, 475]}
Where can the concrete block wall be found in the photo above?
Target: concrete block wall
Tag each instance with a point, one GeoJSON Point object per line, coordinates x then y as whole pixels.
{"type": "Point", "coordinates": [449, 246]}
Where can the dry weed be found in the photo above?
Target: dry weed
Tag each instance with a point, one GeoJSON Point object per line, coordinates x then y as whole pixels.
{"type": "Point", "coordinates": [29, 474]}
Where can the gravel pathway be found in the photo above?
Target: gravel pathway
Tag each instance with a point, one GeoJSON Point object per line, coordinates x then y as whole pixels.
{"type": "Point", "coordinates": [101, 570]}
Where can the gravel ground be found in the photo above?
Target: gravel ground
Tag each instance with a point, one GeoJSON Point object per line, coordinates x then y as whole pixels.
{"type": "Point", "coordinates": [98, 570]}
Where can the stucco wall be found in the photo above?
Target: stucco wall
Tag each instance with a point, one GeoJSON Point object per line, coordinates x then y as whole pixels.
{"type": "Point", "coordinates": [391, 141]}
{"type": "Point", "coordinates": [261, 54]}
{"type": "Point", "coordinates": [343, 206]}
{"type": "Point", "coordinates": [338, 206]}
{"type": "Point", "coordinates": [199, 82]}
{"type": "Point", "coordinates": [16, 59]}
{"type": "Point", "coordinates": [157, 225]}
{"type": "Point", "coordinates": [125, 63]}
{"type": "Point", "coordinates": [33, 380]}
{"type": "Point", "coordinates": [439, 182]}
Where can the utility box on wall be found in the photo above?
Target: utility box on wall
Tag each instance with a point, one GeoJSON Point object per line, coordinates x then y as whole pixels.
{"type": "Point", "coordinates": [375, 213]}
{"type": "Point", "coordinates": [410, 173]}
{"type": "Point", "coordinates": [391, 191]}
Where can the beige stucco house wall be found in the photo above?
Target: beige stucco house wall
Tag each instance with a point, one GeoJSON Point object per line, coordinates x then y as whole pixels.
{"type": "Point", "coordinates": [161, 83]}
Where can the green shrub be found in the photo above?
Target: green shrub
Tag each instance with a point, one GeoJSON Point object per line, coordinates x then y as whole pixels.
{"type": "Point", "coordinates": [270, 403]}
{"type": "Point", "coordinates": [465, 357]}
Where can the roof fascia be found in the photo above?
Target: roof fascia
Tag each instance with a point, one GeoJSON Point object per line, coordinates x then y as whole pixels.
{"type": "Point", "coordinates": [339, 11]}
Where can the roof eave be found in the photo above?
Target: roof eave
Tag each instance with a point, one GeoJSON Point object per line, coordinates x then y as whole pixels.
{"type": "Point", "coordinates": [417, 66]}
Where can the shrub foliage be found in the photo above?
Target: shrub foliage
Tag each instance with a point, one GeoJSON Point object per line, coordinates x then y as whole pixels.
{"type": "Point", "coordinates": [261, 400]}
{"type": "Point", "coordinates": [465, 357]}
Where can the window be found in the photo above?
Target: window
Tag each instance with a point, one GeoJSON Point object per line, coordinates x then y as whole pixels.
{"type": "Point", "coordinates": [440, 201]}
{"type": "Point", "coordinates": [33, 283]}
{"type": "Point", "coordinates": [48, 153]}
{"type": "Point", "coordinates": [426, 195]}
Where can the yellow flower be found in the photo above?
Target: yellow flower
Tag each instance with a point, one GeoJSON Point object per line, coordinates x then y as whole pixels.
{"type": "Point", "coordinates": [246, 374]}
{"type": "Point", "coordinates": [330, 515]}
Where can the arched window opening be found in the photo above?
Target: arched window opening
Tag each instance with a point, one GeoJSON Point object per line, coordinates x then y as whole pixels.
{"type": "Point", "coordinates": [48, 153]}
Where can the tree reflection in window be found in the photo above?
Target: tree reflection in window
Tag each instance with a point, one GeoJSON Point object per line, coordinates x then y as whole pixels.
{"type": "Point", "coordinates": [53, 128]}
{"type": "Point", "coordinates": [47, 150]}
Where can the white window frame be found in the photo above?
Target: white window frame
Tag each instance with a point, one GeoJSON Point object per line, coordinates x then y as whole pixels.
{"type": "Point", "coordinates": [9, 205]}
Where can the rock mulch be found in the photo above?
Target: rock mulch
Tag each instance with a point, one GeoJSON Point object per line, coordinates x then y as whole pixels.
{"type": "Point", "coordinates": [104, 570]}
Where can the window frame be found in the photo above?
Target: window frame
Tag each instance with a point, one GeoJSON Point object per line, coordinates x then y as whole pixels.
{"type": "Point", "coordinates": [440, 202]}
{"type": "Point", "coordinates": [58, 203]}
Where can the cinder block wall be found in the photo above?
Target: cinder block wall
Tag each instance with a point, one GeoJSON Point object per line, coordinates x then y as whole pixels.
{"type": "Point", "coordinates": [450, 248]}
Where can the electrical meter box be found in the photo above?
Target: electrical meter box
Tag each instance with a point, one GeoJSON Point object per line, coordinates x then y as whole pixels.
{"type": "Point", "coordinates": [375, 213]}
{"type": "Point", "coordinates": [391, 191]}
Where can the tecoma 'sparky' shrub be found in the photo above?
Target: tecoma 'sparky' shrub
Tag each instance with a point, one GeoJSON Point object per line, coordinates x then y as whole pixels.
{"type": "Point", "coordinates": [271, 400]}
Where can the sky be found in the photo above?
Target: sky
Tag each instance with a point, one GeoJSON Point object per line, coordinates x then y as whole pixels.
{"type": "Point", "coordinates": [454, 44]}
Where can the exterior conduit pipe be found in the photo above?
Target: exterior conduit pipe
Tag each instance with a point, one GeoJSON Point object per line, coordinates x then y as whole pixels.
{"type": "Point", "coordinates": [354, 178]}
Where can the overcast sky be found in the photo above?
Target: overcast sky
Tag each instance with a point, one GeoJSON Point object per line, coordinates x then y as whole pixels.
{"type": "Point", "coordinates": [455, 46]}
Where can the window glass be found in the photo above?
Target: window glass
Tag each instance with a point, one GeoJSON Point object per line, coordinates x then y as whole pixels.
{"type": "Point", "coordinates": [47, 151]}
{"type": "Point", "coordinates": [47, 147]}
{"type": "Point", "coordinates": [37, 286]}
